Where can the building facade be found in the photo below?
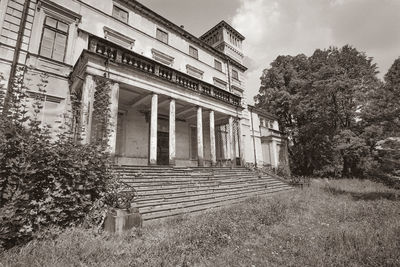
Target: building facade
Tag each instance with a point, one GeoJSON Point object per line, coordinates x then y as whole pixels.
{"type": "Point", "coordinates": [173, 99]}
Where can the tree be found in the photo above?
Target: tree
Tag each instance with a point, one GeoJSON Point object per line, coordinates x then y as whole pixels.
{"type": "Point", "coordinates": [317, 100]}
{"type": "Point", "coordinates": [382, 110]}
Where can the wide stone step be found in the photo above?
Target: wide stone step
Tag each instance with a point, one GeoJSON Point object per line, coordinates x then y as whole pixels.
{"type": "Point", "coordinates": [168, 191]}
{"type": "Point", "coordinates": [171, 193]}
{"type": "Point", "coordinates": [196, 207]}
{"type": "Point", "coordinates": [161, 182]}
{"type": "Point", "coordinates": [198, 186]}
{"type": "Point", "coordinates": [187, 177]}
{"type": "Point", "coordinates": [198, 197]}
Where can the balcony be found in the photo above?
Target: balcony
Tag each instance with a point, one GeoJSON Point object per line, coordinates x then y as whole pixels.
{"type": "Point", "coordinates": [137, 62]}
{"type": "Point", "coordinates": [269, 132]}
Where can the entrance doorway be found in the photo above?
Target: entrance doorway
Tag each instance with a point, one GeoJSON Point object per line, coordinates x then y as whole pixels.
{"type": "Point", "coordinates": [162, 148]}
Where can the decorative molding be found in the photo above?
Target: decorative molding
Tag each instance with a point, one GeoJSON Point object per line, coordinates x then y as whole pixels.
{"type": "Point", "coordinates": [58, 11]}
{"type": "Point", "coordinates": [162, 57]}
{"type": "Point", "coordinates": [99, 47]}
{"type": "Point", "coordinates": [219, 83]}
{"type": "Point", "coordinates": [223, 24]}
{"type": "Point", "coordinates": [118, 38]}
{"type": "Point", "coordinates": [194, 71]}
{"type": "Point", "coordinates": [235, 88]}
{"type": "Point", "coordinates": [182, 32]}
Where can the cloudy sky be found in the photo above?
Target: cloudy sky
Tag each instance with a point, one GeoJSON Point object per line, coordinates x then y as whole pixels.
{"type": "Point", "coordinates": [290, 27]}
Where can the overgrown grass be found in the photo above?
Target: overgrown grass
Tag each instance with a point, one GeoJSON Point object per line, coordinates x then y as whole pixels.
{"type": "Point", "coordinates": [332, 223]}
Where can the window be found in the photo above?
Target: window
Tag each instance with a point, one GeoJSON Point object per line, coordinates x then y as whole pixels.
{"type": "Point", "coordinates": [193, 52]}
{"type": "Point", "coordinates": [51, 108]}
{"type": "Point", "coordinates": [54, 39]}
{"type": "Point", "coordinates": [162, 36]}
{"type": "Point", "coordinates": [120, 14]}
{"type": "Point", "coordinates": [235, 75]}
{"type": "Point", "coordinates": [218, 65]}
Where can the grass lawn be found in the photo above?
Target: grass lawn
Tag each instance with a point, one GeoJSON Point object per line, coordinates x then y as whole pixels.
{"type": "Point", "coordinates": [332, 223]}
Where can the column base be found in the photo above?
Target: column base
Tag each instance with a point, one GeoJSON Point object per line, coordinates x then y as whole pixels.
{"type": "Point", "coordinates": [201, 162]}
{"type": "Point", "coordinates": [172, 162]}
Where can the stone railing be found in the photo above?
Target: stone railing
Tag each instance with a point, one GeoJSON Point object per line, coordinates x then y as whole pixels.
{"type": "Point", "coordinates": [117, 54]}
{"type": "Point", "coordinates": [265, 132]}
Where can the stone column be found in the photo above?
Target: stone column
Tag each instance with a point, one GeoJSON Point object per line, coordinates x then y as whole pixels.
{"type": "Point", "coordinates": [241, 142]}
{"type": "Point", "coordinates": [231, 142]}
{"type": "Point", "coordinates": [200, 152]}
{"type": "Point", "coordinates": [153, 130]}
{"type": "Point", "coordinates": [172, 146]}
{"type": "Point", "coordinates": [87, 100]}
{"type": "Point", "coordinates": [112, 125]}
{"type": "Point", "coordinates": [212, 139]}
{"type": "Point", "coordinates": [274, 152]}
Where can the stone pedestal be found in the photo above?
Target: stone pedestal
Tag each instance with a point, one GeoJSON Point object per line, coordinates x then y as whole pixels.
{"type": "Point", "coordinates": [120, 220]}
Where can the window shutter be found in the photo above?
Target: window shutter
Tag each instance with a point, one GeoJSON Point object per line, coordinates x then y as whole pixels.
{"type": "Point", "coordinates": [59, 47]}
{"type": "Point", "coordinates": [47, 43]}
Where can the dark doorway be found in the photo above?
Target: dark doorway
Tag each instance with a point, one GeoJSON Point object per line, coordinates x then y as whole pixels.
{"type": "Point", "coordinates": [162, 148]}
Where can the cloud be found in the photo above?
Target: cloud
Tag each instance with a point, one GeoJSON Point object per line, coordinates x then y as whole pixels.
{"type": "Point", "coordinates": [281, 27]}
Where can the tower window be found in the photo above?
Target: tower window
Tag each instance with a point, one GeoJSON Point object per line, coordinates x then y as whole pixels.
{"type": "Point", "coordinates": [193, 52]}
{"type": "Point", "coordinates": [120, 14]}
{"type": "Point", "coordinates": [162, 36]}
{"type": "Point", "coordinates": [235, 75]}
{"type": "Point", "coordinates": [218, 65]}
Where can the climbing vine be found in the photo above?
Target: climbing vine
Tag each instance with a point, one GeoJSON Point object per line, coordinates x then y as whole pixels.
{"type": "Point", "coordinates": [49, 182]}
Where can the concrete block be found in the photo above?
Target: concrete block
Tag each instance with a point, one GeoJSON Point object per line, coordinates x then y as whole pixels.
{"type": "Point", "coordinates": [119, 221]}
{"type": "Point", "coordinates": [12, 19]}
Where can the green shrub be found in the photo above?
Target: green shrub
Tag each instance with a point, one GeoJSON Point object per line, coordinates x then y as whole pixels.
{"type": "Point", "coordinates": [45, 182]}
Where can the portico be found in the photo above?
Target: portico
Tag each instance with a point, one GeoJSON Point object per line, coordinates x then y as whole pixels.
{"type": "Point", "coordinates": [158, 116]}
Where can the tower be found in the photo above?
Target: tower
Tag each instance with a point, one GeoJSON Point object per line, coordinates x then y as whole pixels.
{"type": "Point", "coordinates": [226, 39]}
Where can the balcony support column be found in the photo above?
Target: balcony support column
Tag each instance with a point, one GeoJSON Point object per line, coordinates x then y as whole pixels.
{"type": "Point", "coordinates": [153, 130]}
{"type": "Point", "coordinates": [231, 141]}
{"type": "Point", "coordinates": [212, 139]}
{"type": "Point", "coordinates": [274, 152]}
{"type": "Point", "coordinates": [200, 151]}
{"type": "Point", "coordinates": [112, 125]}
{"type": "Point", "coordinates": [241, 142]}
{"type": "Point", "coordinates": [172, 139]}
{"type": "Point", "coordinates": [87, 109]}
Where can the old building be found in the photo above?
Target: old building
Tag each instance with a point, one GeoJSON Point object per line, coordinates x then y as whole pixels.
{"type": "Point", "coordinates": [176, 99]}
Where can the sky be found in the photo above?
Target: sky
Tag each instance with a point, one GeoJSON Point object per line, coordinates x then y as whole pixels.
{"type": "Point", "coordinates": [291, 27]}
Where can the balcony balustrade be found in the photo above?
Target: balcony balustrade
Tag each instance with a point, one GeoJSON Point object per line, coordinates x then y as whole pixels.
{"type": "Point", "coordinates": [120, 55]}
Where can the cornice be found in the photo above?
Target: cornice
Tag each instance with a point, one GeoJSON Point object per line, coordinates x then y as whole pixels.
{"type": "Point", "coordinates": [182, 32]}
{"type": "Point", "coordinates": [222, 24]}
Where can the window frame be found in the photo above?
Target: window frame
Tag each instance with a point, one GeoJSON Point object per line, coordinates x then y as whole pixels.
{"type": "Point", "coordinates": [235, 77]}
{"type": "Point", "coordinates": [120, 9]}
{"type": "Point", "coordinates": [163, 32]}
{"type": "Point", "coordinates": [215, 65]}
{"type": "Point", "coordinates": [192, 48]}
{"type": "Point", "coordinates": [45, 26]}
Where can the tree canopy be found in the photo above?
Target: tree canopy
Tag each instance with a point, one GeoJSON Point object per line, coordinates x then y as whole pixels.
{"type": "Point", "coordinates": [332, 107]}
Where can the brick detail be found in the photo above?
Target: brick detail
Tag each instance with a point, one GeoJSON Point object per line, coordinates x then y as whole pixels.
{"type": "Point", "coordinates": [12, 20]}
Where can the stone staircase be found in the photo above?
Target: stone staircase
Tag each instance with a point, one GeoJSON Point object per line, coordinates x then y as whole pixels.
{"type": "Point", "coordinates": [169, 191]}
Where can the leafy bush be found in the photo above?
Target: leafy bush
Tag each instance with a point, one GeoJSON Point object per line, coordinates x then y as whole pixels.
{"type": "Point", "coordinates": [45, 182]}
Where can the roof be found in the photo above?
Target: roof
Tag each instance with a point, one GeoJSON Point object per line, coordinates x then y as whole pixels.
{"type": "Point", "coordinates": [262, 112]}
{"type": "Point", "coordinates": [170, 25]}
{"type": "Point", "coordinates": [223, 24]}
